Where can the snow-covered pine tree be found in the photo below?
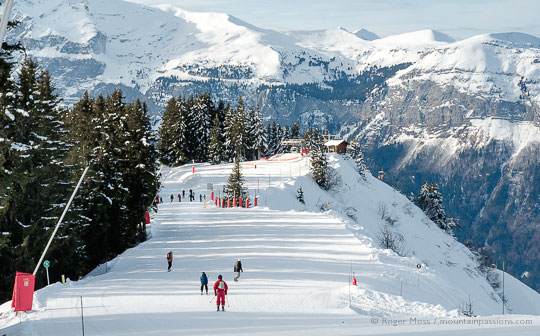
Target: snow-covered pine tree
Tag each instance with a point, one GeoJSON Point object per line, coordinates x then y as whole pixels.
{"type": "Point", "coordinates": [319, 166]}
{"type": "Point", "coordinates": [38, 178]}
{"type": "Point", "coordinates": [308, 138]}
{"type": "Point", "coordinates": [279, 137]}
{"type": "Point", "coordinates": [180, 144]}
{"type": "Point", "coordinates": [358, 156]}
{"type": "Point", "coordinates": [84, 136]}
{"type": "Point", "coordinates": [93, 202]}
{"type": "Point", "coordinates": [115, 160]}
{"type": "Point", "coordinates": [215, 146]}
{"type": "Point", "coordinates": [12, 150]}
{"type": "Point", "coordinates": [81, 134]}
{"type": "Point", "coordinates": [235, 184]}
{"type": "Point", "coordinates": [228, 133]}
{"type": "Point", "coordinates": [140, 171]}
{"type": "Point", "coordinates": [259, 136]}
{"type": "Point", "coordinates": [430, 201]}
{"type": "Point", "coordinates": [316, 139]}
{"type": "Point", "coordinates": [221, 111]}
{"type": "Point", "coordinates": [54, 178]}
{"type": "Point", "coordinates": [202, 112]}
{"type": "Point", "coordinates": [270, 136]}
{"type": "Point", "coordinates": [255, 137]}
{"type": "Point", "coordinates": [8, 178]}
{"type": "Point", "coordinates": [250, 134]}
{"type": "Point", "coordinates": [187, 107]}
{"type": "Point", "coordinates": [167, 134]}
{"type": "Point", "coordinates": [295, 131]}
{"type": "Point", "coordinates": [300, 195]}
{"type": "Point", "coordinates": [239, 130]}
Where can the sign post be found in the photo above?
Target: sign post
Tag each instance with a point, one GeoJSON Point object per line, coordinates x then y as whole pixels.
{"type": "Point", "coordinates": [46, 264]}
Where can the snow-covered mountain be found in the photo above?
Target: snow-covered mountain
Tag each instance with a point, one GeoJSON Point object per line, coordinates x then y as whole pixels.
{"type": "Point", "coordinates": [99, 42]}
{"type": "Point", "coordinates": [420, 100]}
{"type": "Point", "coordinates": [297, 261]}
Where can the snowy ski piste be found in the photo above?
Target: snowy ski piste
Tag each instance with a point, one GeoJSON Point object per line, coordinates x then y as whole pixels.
{"type": "Point", "coordinates": [297, 261]}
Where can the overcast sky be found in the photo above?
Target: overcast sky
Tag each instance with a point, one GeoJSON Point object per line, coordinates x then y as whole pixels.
{"type": "Point", "coordinates": [458, 18]}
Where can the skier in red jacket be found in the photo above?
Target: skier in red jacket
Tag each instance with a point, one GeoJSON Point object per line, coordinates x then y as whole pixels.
{"type": "Point", "coordinates": [220, 290]}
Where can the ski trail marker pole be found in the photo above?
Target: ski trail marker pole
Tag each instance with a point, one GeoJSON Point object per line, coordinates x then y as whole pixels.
{"type": "Point", "coordinates": [350, 301]}
{"type": "Point", "coordinates": [82, 317]}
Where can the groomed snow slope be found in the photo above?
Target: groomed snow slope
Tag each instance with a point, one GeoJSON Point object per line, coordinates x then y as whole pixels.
{"type": "Point", "coordinates": [296, 260]}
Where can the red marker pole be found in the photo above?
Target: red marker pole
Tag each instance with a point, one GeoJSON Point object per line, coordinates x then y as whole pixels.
{"type": "Point", "coordinates": [212, 195]}
{"type": "Point", "coordinates": [193, 169]}
{"type": "Point", "coordinates": [255, 201]}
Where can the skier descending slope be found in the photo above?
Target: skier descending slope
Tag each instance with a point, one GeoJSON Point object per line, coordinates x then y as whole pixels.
{"type": "Point", "coordinates": [220, 290]}
{"type": "Point", "coordinates": [238, 269]}
{"type": "Point", "coordinates": [169, 260]}
{"type": "Point", "coordinates": [204, 283]}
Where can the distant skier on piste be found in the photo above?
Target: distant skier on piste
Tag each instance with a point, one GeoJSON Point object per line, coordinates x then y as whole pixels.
{"type": "Point", "coordinates": [204, 283]}
{"type": "Point", "coordinates": [169, 260]}
{"type": "Point", "coordinates": [172, 197]}
{"type": "Point", "coordinates": [220, 290]}
{"type": "Point", "coordinates": [238, 269]}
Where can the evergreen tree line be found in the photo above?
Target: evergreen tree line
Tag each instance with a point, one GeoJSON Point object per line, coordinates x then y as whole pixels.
{"type": "Point", "coordinates": [197, 129]}
{"type": "Point", "coordinates": [43, 151]}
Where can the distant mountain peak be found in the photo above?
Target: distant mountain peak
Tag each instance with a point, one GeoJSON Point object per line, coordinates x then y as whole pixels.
{"type": "Point", "coordinates": [518, 38]}
{"type": "Point", "coordinates": [365, 34]}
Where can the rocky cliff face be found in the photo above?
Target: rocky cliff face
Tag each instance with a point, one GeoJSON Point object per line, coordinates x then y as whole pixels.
{"type": "Point", "coordinates": [483, 152]}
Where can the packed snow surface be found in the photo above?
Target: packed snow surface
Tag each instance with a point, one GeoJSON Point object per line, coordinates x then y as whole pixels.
{"type": "Point", "coordinates": [297, 261]}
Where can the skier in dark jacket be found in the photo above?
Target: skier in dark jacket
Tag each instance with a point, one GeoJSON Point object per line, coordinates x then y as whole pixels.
{"type": "Point", "coordinates": [172, 197]}
{"type": "Point", "coordinates": [169, 260]}
{"type": "Point", "coordinates": [238, 269]}
{"type": "Point", "coordinates": [204, 283]}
